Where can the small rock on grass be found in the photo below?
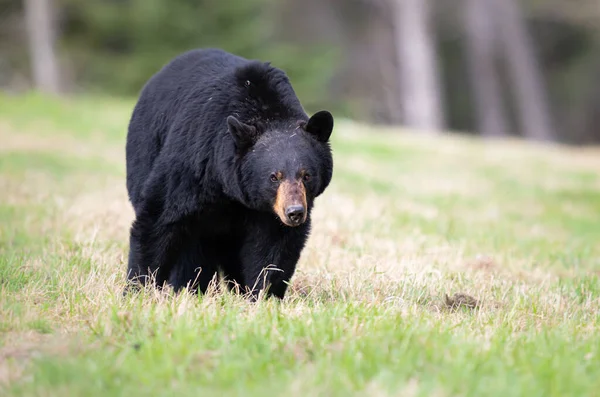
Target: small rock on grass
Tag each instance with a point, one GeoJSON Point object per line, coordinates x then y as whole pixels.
{"type": "Point", "coordinates": [461, 300]}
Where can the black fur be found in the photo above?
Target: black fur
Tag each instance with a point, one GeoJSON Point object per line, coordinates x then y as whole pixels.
{"type": "Point", "coordinates": [207, 133]}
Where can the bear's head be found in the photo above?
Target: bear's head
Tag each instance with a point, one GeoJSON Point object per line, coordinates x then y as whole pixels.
{"type": "Point", "coordinates": [284, 166]}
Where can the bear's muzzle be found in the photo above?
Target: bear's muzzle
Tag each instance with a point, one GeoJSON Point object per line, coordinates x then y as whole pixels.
{"type": "Point", "coordinates": [290, 203]}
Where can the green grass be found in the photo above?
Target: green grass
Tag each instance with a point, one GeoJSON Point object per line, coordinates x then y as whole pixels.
{"type": "Point", "coordinates": [406, 220]}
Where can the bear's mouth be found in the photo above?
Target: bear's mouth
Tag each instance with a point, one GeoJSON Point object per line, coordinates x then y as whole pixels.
{"type": "Point", "coordinates": [290, 203]}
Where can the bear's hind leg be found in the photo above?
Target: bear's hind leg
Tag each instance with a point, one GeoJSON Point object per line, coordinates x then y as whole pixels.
{"type": "Point", "coordinates": [137, 275]}
{"type": "Point", "coordinates": [152, 250]}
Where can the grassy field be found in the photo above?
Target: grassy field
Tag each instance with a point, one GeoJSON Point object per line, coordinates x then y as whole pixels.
{"type": "Point", "coordinates": [406, 221]}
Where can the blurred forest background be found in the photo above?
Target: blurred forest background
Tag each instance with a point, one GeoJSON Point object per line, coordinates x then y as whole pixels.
{"type": "Point", "coordinates": [490, 67]}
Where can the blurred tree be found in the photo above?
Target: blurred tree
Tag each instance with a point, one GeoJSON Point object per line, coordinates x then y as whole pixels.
{"type": "Point", "coordinates": [116, 45]}
{"type": "Point", "coordinates": [371, 60]}
{"type": "Point", "coordinates": [591, 121]}
{"type": "Point", "coordinates": [567, 41]}
{"type": "Point", "coordinates": [389, 102]}
{"type": "Point", "coordinates": [41, 32]}
{"type": "Point", "coordinates": [526, 76]}
{"type": "Point", "coordinates": [482, 54]}
{"type": "Point", "coordinates": [421, 90]}
{"type": "Point", "coordinates": [366, 79]}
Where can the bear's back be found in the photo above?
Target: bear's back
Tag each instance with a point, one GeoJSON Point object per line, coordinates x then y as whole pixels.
{"type": "Point", "coordinates": [194, 94]}
{"type": "Point", "coordinates": [161, 101]}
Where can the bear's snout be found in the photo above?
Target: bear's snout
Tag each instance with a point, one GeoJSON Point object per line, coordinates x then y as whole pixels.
{"type": "Point", "coordinates": [290, 203]}
{"type": "Point", "coordinates": [295, 214]}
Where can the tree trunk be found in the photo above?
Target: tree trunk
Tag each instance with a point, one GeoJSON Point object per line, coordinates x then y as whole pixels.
{"type": "Point", "coordinates": [419, 75]}
{"type": "Point", "coordinates": [481, 56]}
{"type": "Point", "coordinates": [525, 72]}
{"type": "Point", "coordinates": [592, 123]}
{"type": "Point", "coordinates": [385, 62]}
{"type": "Point", "coordinates": [41, 35]}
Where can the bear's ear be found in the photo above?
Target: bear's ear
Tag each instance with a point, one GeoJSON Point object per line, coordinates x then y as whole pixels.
{"type": "Point", "coordinates": [244, 135]}
{"type": "Point", "coordinates": [320, 125]}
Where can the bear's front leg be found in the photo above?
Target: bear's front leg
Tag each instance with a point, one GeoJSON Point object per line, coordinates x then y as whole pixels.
{"type": "Point", "coordinates": [271, 278]}
{"type": "Point", "coordinates": [269, 260]}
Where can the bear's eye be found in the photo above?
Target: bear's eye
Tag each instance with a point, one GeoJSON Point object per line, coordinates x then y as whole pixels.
{"type": "Point", "coordinates": [274, 177]}
{"type": "Point", "coordinates": [306, 177]}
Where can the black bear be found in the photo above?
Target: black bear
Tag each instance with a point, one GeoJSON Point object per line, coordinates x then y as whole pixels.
{"type": "Point", "coordinates": [223, 167]}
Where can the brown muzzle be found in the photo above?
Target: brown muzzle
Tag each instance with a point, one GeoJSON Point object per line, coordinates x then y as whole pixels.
{"type": "Point", "coordinates": [290, 203]}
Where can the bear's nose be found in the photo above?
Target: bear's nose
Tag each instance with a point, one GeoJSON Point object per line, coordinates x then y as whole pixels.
{"type": "Point", "coordinates": [295, 213]}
